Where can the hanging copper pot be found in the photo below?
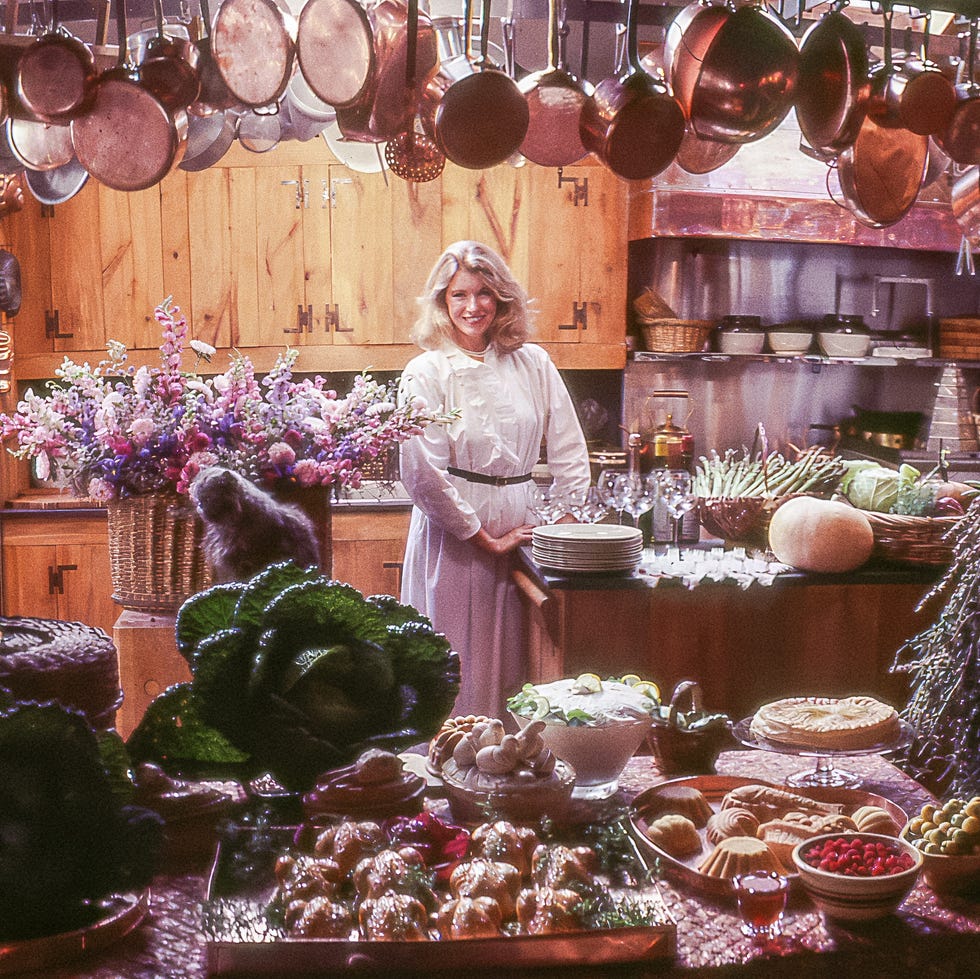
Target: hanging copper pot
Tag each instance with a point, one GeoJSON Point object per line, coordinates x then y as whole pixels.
{"type": "Point", "coordinates": [961, 139]}
{"type": "Point", "coordinates": [632, 124]}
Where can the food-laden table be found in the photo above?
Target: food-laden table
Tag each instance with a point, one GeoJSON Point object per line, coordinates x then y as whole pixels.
{"type": "Point", "coordinates": [929, 936]}
{"type": "Point", "coordinates": [744, 643]}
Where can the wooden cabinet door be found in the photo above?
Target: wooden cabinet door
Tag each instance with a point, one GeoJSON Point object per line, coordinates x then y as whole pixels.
{"type": "Point", "coordinates": [368, 549]}
{"type": "Point", "coordinates": [578, 262]}
{"type": "Point", "coordinates": [25, 235]}
{"type": "Point", "coordinates": [57, 569]}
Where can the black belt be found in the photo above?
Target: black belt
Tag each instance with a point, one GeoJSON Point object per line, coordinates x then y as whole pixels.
{"type": "Point", "coordinates": [484, 478]}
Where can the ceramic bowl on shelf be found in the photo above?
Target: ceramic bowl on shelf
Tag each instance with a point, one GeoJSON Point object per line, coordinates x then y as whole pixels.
{"type": "Point", "coordinates": [851, 345]}
{"type": "Point", "coordinates": [844, 897]}
{"type": "Point", "coordinates": [789, 341]}
{"type": "Point", "coordinates": [741, 335]}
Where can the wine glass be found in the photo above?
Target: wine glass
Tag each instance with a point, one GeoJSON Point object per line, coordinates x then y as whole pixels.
{"type": "Point", "coordinates": [641, 494]}
{"type": "Point", "coordinates": [547, 504]}
{"type": "Point", "coordinates": [612, 491]}
{"type": "Point", "coordinates": [675, 489]}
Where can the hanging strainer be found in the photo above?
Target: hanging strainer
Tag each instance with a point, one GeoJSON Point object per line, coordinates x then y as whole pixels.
{"type": "Point", "coordinates": [412, 155]}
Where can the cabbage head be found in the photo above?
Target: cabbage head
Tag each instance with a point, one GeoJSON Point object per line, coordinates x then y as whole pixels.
{"type": "Point", "coordinates": [872, 487]}
{"type": "Point", "coordinates": [298, 674]}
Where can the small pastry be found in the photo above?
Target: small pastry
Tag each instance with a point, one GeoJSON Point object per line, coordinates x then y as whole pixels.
{"type": "Point", "coordinates": [675, 835]}
{"type": "Point", "coordinates": [874, 819]}
{"type": "Point", "coordinates": [684, 800]}
{"type": "Point", "coordinates": [320, 917]}
{"type": "Point", "coordinates": [549, 910]}
{"type": "Point", "coordinates": [730, 822]}
{"type": "Point", "coordinates": [502, 840]}
{"type": "Point", "coordinates": [389, 870]}
{"type": "Point", "coordinates": [558, 866]}
{"type": "Point", "coordinates": [738, 855]}
{"type": "Point", "coordinates": [767, 802]}
{"type": "Point", "coordinates": [469, 917]}
{"type": "Point", "coordinates": [349, 842]}
{"type": "Point", "coordinates": [393, 918]}
{"type": "Point", "coordinates": [487, 878]}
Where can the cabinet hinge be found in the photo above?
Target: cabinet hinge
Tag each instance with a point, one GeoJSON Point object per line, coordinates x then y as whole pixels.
{"type": "Point", "coordinates": [333, 320]}
{"type": "Point", "coordinates": [580, 317]}
{"type": "Point", "coordinates": [56, 578]}
{"type": "Point", "coordinates": [47, 210]}
{"type": "Point", "coordinates": [304, 321]}
{"type": "Point", "coordinates": [52, 325]}
{"type": "Point", "coordinates": [581, 185]}
{"type": "Point", "coordinates": [397, 566]}
{"type": "Point", "coordinates": [300, 193]}
{"type": "Point", "coordinates": [333, 187]}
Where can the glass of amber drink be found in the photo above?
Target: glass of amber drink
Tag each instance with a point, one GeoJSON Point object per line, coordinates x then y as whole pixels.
{"type": "Point", "coordinates": [761, 897]}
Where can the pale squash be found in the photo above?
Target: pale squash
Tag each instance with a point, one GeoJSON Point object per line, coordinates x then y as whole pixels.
{"type": "Point", "coordinates": [820, 535]}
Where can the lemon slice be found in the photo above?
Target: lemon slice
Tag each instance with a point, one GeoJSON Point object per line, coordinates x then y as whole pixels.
{"type": "Point", "coordinates": [541, 708]}
{"type": "Point", "coordinates": [631, 679]}
{"type": "Point", "coordinates": [588, 683]}
{"type": "Point", "coordinates": [649, 688]}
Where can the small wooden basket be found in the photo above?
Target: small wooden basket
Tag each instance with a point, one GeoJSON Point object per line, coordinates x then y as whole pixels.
{"type": "Point", "coordinates": [155, 552]}
{"type": "Point", "coordinates": [959, 338]}
{"type": "Point", "coordinates": [674, 336]}
{"type": "Point", "coordinates": [912, 540]}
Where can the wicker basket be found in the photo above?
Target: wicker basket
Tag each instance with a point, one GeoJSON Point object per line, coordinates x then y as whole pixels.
{"type": "Point", "coordinates": [740, 519]}
{"type": "Point", "coordinates": [155, 552]}
{"type": "Point", "coordinates": [680, 751]}
{"type": "Point", "coordinates": [911, 540]}
{"type": "Point", "coordinates": [671, 336]}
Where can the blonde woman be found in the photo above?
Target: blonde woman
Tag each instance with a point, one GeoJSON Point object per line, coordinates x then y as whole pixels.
{"type": "Point", "coordinates": [470, 481]}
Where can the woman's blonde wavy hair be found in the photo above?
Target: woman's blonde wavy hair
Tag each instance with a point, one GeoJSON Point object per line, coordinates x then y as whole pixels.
{"type": "Point", "coordinates": [511, 326]}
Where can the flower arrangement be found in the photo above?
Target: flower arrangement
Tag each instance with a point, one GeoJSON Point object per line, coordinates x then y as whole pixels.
{"type": "Point", "coordinates": [116, 431]}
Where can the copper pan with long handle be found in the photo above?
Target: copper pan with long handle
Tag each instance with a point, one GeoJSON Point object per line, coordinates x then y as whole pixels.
{"type": "Point", "coordinates": [961, 139]}
{"type": "Point", "coordinates": [128, 140]}
{"type": "Point", "coordinates": [335, 50]}
{"type": "Point", "coordinates": [483, 116]}
{"type": "Point", "coordinates": [556, 100]}
{"type": "Point", "coordinates": [632, 124]}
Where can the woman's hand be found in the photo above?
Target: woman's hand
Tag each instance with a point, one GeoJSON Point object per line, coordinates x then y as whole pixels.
{"type": "Point", "coordinates": [510, 541]}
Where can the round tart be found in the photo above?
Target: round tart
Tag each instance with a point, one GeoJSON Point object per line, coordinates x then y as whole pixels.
{"type": "Point", "coordinates": [739, 855]}
{"type": "Point", "coordinates": [675, 835]}
{"type": "Point", "coordinates": [850, 723]}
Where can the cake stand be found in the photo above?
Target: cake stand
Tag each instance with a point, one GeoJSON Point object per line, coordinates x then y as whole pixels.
{"type": "Point", "coordinates": [825, 774]}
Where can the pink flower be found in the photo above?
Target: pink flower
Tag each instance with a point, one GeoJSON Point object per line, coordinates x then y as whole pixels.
{"type": "Point", "coordinates": [281, 454]}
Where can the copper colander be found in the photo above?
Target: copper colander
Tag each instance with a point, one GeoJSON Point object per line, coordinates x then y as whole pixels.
{"type": "Point", "coordinates": [414, 156]}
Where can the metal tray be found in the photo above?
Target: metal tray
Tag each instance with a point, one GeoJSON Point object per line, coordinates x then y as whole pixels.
{"type": "Point", "coordinates": [247, 944]}
{"type": "Point", "coordinates": [714, 788]}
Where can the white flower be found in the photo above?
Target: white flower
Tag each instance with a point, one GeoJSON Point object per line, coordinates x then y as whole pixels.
{"type": "Point", "coordinates": [204, 350]}
{"type": "Point", "coordinates": [142, 381]}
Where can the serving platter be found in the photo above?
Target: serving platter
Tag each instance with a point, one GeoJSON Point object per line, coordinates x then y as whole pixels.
{"type": "Point", "coordinates": [648, 805]}
{"type": "Point", "coordinates": [119, 915]}
{"type": "Point", "coordinates": [242, 939]}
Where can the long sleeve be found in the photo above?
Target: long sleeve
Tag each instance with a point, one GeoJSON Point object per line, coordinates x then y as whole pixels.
{"type": "Point", "coordinates": [567, 453]}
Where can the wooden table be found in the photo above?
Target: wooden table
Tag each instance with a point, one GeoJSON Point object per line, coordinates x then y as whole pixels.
{"type": "Point", "coordinates": [929, 937]}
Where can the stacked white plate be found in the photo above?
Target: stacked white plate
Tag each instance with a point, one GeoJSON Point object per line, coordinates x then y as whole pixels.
{"type": "Point", "coordinates": [587, 548]}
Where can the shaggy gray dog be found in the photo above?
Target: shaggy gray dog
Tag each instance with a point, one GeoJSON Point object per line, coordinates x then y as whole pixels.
{"type": "Point", "coordinates": [246, 529]}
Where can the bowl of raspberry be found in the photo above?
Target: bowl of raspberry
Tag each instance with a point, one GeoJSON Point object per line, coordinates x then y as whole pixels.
{"type": "Point", "coordinates": [857, 876]}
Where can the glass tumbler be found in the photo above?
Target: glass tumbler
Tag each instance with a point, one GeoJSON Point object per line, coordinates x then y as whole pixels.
{"type": "Point", "coordinates": [761, 897]}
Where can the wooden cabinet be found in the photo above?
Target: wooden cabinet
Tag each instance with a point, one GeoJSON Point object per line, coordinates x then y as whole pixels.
{"type": "Point", "coordinates": [291, 248]}
{"type": "Point", "coordinates": [368, 548]}
{"type": "Point", "coordinates": [56, 566]}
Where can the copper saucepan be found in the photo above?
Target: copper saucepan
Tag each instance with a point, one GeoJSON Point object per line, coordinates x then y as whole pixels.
{"type": "Point", "coordinates": [747, 80]}
{"type": "Point", "coordinates": [556, 99]}
{"type": "Point", "coordinates": [128, 140]}
{"type": "Point", "coordinates": [632, 123]}
{"type": "Point", "coordinates": [913, 95]}
{"type": "Point", "coordinates": [483, 117]}
{"type": "Point", "coordinates": [833, 85]}
{"type": "Point", "coordinates": [54, 77]}
{"type": "Point", "coordinates": [961, 140]}
{"type": "Point", "coordinates": [169, 65]}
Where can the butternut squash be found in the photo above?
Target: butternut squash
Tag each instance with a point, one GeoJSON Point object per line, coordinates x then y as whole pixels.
{"type": "Point", "coordinates": [820, 535]}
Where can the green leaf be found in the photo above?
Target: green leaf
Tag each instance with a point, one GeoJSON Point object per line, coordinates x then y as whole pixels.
{"type": "Point", "coordinates": [172, 731]}
{"type": "Point", "coordinates": [222, 664]}
{"type": "Point", "coordinates": [203, 614]}
{"type": "Point", "coordinates": [267, 585]}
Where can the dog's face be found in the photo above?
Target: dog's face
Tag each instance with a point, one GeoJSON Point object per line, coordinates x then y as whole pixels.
{"type": "Point", "coordinates": [216, 494]}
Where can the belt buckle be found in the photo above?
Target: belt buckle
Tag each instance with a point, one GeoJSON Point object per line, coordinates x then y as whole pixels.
{"type": "Point", "coordinates": [499, 480]}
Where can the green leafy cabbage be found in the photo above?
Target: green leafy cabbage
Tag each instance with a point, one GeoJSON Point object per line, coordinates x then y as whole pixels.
{"type": "Point", "coordinates": [298, 674]}
{"type": "Point", "coordinates": [870, 486]}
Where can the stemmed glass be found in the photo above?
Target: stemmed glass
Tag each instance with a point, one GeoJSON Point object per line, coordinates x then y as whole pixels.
{"type": "Point", "coordinates": [641, 494]}
{"type": "Point", "coordinates": [612, 490]}
{"type": "Point", "coordinates": [675, 489]}
{"type": "Point", "coordinates": [548, 505]}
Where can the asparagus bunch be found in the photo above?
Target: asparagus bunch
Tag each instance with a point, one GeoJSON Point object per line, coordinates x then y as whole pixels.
{"type": "Point", "coordinates": [771, 476]}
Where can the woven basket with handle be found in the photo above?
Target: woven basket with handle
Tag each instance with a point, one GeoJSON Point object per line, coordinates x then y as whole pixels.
{"type": "Point", "coordinates": [674, 335]}
{"type": "Point", "coordinates": [155, 552]}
